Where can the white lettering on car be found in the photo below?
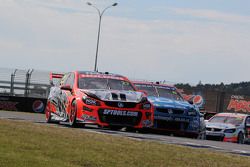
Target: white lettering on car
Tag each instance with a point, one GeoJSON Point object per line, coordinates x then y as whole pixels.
{"type": "Point", "coordinates": [120, 113]}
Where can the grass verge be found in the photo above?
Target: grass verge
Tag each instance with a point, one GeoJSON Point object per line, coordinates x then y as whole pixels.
{"type": "Point", "coordinates": [27, 144]}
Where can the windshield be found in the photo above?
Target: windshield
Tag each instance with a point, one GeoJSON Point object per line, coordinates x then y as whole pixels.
{"type": "Point", "coordinates": [151, 91]}
{"type": "Point", "coordinates": [169, 93]}
{"type": "Point", "coordinates": [227, 120]}
{"type": "Point", "coordinates": [104, 83]}
{"type": "Point", "coordinates": [160, 91]}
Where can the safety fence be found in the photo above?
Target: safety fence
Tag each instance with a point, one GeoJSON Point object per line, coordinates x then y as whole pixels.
{"type": "Point", "coordinates": [24, 90]}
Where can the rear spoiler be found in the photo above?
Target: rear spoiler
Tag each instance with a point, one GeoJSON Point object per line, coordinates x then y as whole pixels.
{"type": "Point", "coordinates": [55, 77]}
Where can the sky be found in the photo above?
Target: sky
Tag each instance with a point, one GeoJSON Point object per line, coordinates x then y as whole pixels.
{"type": "Point", "coordinates": [179, 41]}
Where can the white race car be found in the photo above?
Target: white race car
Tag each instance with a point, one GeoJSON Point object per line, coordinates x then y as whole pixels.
{"type": "Point", "coordinates": [229, 127]}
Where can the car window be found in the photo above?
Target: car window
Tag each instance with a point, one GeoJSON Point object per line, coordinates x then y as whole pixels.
{"type": "Point", "coordinates": [104, 83]}
{"type": "Point", "coordinates": [169, 93]}
{"type": "Point", "coordinates": [226, 119]}
{"type": "Point", "coordinates": [151, 91]}
{"type": "Point", "coordinates": [70, 80]}
{"type": "Point", "coordinates": [64, 79]}
{"type": "Point", "coordinates": [119, 85]}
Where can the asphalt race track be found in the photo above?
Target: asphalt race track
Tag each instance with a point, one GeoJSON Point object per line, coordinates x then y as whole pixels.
{"type": "Point", "coordinates": [206, 144]}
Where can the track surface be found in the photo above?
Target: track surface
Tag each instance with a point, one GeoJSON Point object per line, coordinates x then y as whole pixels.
{"type": "Point", "coordinates": [207, 144]}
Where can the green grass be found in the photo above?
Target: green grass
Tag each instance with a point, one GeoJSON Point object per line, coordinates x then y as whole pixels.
{"type": "Point", "coordinates": [26, 144]}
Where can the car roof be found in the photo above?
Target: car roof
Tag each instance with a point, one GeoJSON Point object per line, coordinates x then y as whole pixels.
{"type": "Point", "coordinates": [101, 74]}
{"type": "Point", "coordinates": [232, 115]}
{"type": "Point", "coordinates": [153, 84]}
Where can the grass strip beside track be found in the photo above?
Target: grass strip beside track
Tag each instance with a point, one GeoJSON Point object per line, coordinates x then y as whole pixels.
{"type": "Point", "coordinates": [27, 144]}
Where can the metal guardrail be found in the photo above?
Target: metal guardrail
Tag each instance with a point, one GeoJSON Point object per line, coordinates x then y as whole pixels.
{"type": "Point", "coordinates": [24, 83]}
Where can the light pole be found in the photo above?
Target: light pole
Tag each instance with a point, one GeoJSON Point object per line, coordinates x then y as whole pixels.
{"type": "Point", "coordinates": [99, 28]}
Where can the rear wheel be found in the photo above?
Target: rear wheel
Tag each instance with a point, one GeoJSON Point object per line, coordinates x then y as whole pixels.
{"type": "Point", "coordinates": [72, 116]}
{"type": "Point", "coordinates": [241, 138]}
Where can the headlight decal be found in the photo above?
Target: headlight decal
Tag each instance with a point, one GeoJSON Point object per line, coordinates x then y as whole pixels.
{"type": "Point", "coordinates": [90, 101]}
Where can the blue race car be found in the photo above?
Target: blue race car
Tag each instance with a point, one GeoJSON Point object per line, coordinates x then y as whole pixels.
{"type": "Point", "coordinates": [171, 112]}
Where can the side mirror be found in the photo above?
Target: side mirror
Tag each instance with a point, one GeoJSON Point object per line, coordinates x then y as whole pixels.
{"type": "Point", "coordinates": [144, 92]}
{"type": "Point", "coordinates": [66, 87]}
{"type": "Point", "coordinates": [248, 125]}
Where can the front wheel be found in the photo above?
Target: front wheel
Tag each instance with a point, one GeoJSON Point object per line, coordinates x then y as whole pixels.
{"type": "Point", "coordinates": [241, 138]}
{"type": "Point", "coordinates": [72, 116]}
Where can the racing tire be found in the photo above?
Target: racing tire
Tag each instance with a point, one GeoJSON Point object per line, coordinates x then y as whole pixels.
{"type": "Point", "coordinates": [241, 138]}
{"type": "Point", "coordinates": [72, 117]}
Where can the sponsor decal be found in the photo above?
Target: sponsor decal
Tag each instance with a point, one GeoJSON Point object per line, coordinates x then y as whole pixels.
{"type": "Point", "coordinates": [120, 105]}
{"type": "Point", "coordinates": [238, 104]}
{"type": "Point", "coordinates": [8, 105]}
{"type": "Point", "coordinates": [88, 118]}
{"type": "Point", "coordinates": [197, 100]}
{"type": "Point", "coordinates": [177, 119]}
{"type": "Point", "coordinates": [170, 111]}
{"type": "Point", "coordinates": [38, 106]}
{"type": "Point", "coordinates": [147, 123]}
{"type": "Point", "coordinates": [101, 76]}
{"type": "Point", "coordinates": [120, 113]}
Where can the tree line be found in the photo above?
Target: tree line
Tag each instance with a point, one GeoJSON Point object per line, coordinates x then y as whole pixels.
{"type": "Point", "coordinates": [242, 88]}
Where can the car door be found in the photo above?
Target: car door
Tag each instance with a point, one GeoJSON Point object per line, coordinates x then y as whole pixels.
{"type": "Point", "coordinates": [60, 94]}
{"type": "Point", "coordinates": [55, 96]}
{"type": "Point", "coordinates": [67, 94]}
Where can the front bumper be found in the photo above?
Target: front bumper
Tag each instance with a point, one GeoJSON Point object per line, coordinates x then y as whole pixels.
{"type": "Point", "coordinates": [215, 136]}
{"type": "Point", "coordinates": [108, 116]}
{"type": "Point", "coordinates": [221, 136]}
{"type": "Point", "coordinates": [177, 124]}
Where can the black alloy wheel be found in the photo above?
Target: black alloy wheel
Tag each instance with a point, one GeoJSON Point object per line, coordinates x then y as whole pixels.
{"type": "Point", "coordinates": [241, 138]}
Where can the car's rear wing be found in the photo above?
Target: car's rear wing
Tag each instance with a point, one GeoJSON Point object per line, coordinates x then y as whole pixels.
{"type": "Point", "coordinates": [55, 78]}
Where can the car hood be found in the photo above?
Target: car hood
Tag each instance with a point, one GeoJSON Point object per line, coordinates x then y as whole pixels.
{"type": "Point", "coordinates": [169, 103]}
{"type": "Point", "coordinates": [115, 95]}
{"type": "Point", "coordinates": [220, 125]}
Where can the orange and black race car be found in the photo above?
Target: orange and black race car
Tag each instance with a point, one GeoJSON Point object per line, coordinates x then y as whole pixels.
{"type": "Point", "coordinates": [107, 100]}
